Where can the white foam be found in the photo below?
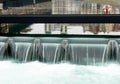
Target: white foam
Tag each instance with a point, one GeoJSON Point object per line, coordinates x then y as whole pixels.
{"type": "Point", "coordinates": [65, 73]}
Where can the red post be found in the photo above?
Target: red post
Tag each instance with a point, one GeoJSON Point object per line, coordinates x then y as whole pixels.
{"type": "Point", "coordinates": [106, 8]}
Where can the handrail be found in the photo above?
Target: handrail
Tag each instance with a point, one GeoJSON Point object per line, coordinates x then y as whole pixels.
{"type": "Point", "coordinates": [83, 18]}
{"type": "Point", "coordinates": [61, 35]}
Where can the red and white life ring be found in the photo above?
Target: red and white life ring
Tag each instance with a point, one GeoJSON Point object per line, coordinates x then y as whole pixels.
{"type": "Point", "coordinates": [107, 9]}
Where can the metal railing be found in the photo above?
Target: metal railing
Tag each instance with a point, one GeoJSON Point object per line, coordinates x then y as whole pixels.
{"type": "Point", "coordinates": [27, 10]}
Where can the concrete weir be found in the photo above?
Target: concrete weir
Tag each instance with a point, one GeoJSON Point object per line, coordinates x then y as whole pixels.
{"type": "Point", "coordinates": [77, 50]}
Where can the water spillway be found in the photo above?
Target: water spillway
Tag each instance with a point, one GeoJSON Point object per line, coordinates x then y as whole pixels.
{"type": "Point", "coordinates": [3, 47]}
{"type": "Point", "coordinates": [85, 51]}
{"type": "Point", "coordinates": [59, 59]}
{"type": "Point", "coordinates": [89, 51]}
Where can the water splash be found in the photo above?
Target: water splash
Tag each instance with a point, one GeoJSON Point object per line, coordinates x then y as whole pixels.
{"type": "Point", "coordinates": [64, 73]}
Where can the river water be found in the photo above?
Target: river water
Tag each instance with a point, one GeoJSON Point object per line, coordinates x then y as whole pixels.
{"type": "Point", "coordinates": [63, 73]}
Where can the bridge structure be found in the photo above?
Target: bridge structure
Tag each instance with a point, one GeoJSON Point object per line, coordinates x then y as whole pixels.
{"type": "Point", "coordinates": [32, 12]}
{"type": "Point", "coordinates": [83, 18]}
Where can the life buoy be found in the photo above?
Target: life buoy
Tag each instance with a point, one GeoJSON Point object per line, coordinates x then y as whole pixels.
{"type": "Point", "coordinates": [107, 9]}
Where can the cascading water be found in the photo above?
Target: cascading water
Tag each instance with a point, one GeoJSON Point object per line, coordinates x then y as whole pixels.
{"type": "Point", "coordinates": [50, 52]}
{"type": "Point", "coordinates": [88, 53]}
{"type": "Point", "coordinates": [54, 51]}
{"type": "Point", "coordinates": [1, 45]}
{"type": "Point", "coordinates": [117, 50]}
{"type": "Point", "coordinates": [77, 51]}
{"type": "Point", "coordinates": [2, 49]}
{"type": "Point", "coordinates": [22, 51]}
{"type": "Point", "coordinates": [74, 50]}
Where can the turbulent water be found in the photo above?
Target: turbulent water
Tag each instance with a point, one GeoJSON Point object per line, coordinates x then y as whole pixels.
{"type": "Point", "coordinates": [64, 73]}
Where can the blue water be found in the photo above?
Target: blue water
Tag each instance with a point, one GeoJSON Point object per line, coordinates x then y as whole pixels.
{"type": "Point", "coordinates": [64, 73]}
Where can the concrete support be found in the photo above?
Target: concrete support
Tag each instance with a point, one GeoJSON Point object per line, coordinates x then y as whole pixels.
{"type": "Point", "coordinates": [63, 29]}
{"type": "Point", "coordinates": [47, 29]}
{"type": "Point", "coordinates": [1, 8]}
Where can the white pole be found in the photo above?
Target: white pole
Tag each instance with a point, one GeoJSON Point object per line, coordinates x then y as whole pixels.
{"type": "Point", "coordinates": [34, 1]}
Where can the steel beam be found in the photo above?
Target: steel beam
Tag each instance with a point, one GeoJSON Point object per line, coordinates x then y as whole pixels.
{"type": "Point", "coordinates": [85, 18]}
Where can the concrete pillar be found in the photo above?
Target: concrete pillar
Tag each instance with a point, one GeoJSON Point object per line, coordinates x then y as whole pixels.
{"type": "Point", "coordinates": [1, 8]}
{"type": "Point", "coordinates": [108, 27]}
{"type": "Point", "coordinates": [63, 29]}
{"type": "Point", "coordinates": [117, 11]}
{"type": "Point", "coordinates": [94, 8]}
{"type": "Point", "coordinates": [47, 29]}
